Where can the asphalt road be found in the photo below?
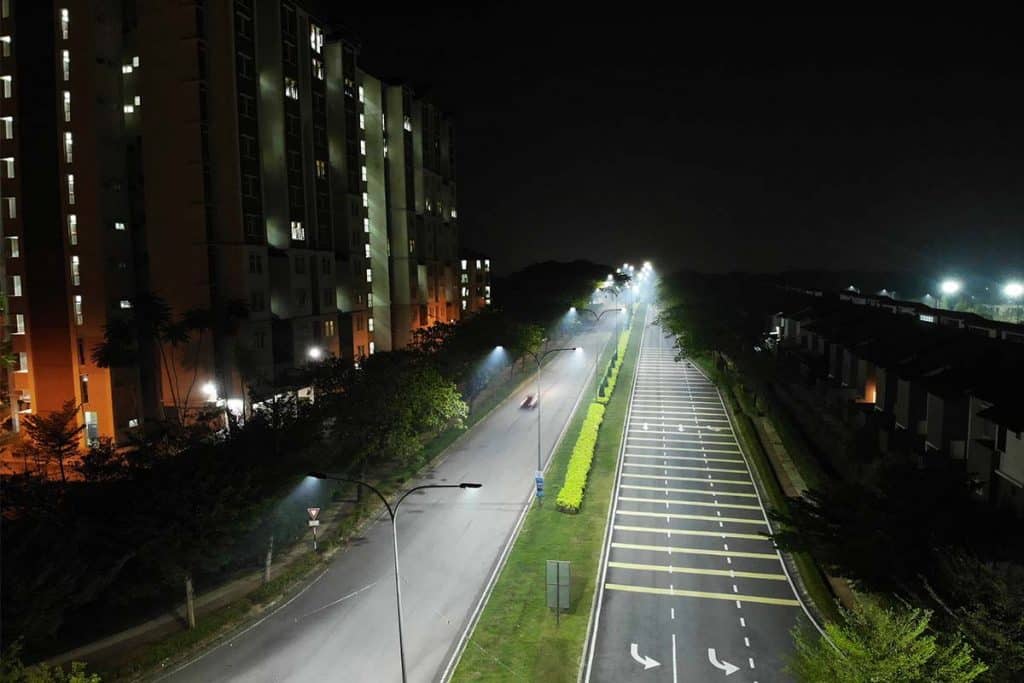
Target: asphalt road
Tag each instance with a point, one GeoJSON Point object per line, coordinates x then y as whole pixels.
{"type": "Point", "coordinates": [687, 570]}
{"type": "Point", "coordinates": [342, 627]}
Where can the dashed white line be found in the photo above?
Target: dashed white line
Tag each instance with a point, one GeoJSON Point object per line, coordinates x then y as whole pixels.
{"type": "Point", "coordinates": [751, 660]}
{"type": "Point", "coordinates": [746, 641]}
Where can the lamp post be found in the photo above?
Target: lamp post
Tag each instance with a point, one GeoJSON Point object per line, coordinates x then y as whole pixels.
{"type": "Point", "coordinates": [393, 512]}
{"type": "Point", "coordinates": [540, 359]}
{"type": "Point", "coordinates": [597, 319]}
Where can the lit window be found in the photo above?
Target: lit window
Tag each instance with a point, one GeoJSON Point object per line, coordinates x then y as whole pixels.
{"type": "Point", "coordinates": [72, 229]}
{"type": "Point", "coordinates": [83, 383]}
{"type": "Point", "coordinates": [366, 225]}
{"type": "Point", "coordinates": [135, 61]}
{"type": "Point", "coordinates": [291, 88]}
{"type": "Point", "coordinates": [125, 303]}
{"type": "Point", "coordinates": [129, 109]}
{"type": "Point", "coordinates": [5, 46]}
{"type": "Point", "coordinates": [13, 247]}
{"type": "Point", "coordinates": [22, 361]}
{"type": "Point", "coordinates": [369, 275]}
{"type": "Point", "coordinates": [463, 304]}
{"type": "Point", "coordinates": [8, 126]}
{"type": "Point", "coordinates": [76, 277]}
{"type": "Point", "coordinates": [68, 144]}
{"type": "Point", "coordinates": [373, 347]}
{"type": "Point", "coordinates": [363, 172]}
{"type": "Point", "coordinates": [19, 323]}
{"type": "Point", "coordinates": [464, 264]}
{"type": "Point", "coordinates": [138, 100]}
{"type": "Point", "coordinates": [316, 38]}
{"type": "Point", "coordinates": [465, 291]}
{"type": "Point", "coordinates": [362, 147]}
{"type": "Point", "coordinates": [298, 232]}
{"type": "Point", "coordinates": [407, 124]}
{"type": "Point", "coordinates": [321, 168]}
{"type": "Point", "coordinates": [362, 122]}
{"type": "Point", "coordinates": [455, 214]}
{"type": "Point", "coordinates": [369, 324]}
{"type": "Point", "coordinates": [5, 9]}
{"type": "Point", "coordinates": [318, 69]}
{"type": "Point", "coordinates": [5, 85]}
{"type": "Point", "coordinates": [65, 58]}
{"type": "Point", "coordinates": [487, 264]}
{"type": "Point", "coordinates": [362, 94]}
{"type": "Point", "coordinates": [65, 23]}
{"type": "Point", "coordinates": [366, 199]}
{"type": "Point", "coordinates": [367, 250]}
{"type": "Point", "coordinates": [8, 163]}
{"type": "Point", "coordinates": [369, 299]}
{"type": "Point", "coordinates": [79, 319]}
{"type": "Point", "coordinates": [67, 106]}
{"type": "Point", "coordinates": [15, 285]}
{"type": "Point", "coordinates": [328, 328]}
{"type": "Point", "coordinates": [71, 188]}
{"type": "Point", "coordinates": [127, 69]}
{"type": "Point", "coordinates": [118, 226]}
{"type": "Point", "coordinates": [478, 266]}
{"type": "Point", "coordinates": [12, 207]}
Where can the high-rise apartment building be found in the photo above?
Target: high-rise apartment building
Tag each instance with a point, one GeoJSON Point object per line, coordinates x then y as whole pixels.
{"type": "Point", "coordinates": [231, 159]}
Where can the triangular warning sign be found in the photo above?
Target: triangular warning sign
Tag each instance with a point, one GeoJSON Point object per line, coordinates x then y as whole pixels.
{"type": "Point", "coordinates": [313, 512]}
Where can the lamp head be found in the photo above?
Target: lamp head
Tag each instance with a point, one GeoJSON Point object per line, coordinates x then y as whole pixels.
{"type": "Point", "coordinates": [469, 485]}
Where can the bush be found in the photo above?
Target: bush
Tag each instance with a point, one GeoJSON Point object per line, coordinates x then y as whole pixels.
{"type": "Point", "coordinates": [570, 498]}
{"type": "Point", "coordinates": [612, 374]}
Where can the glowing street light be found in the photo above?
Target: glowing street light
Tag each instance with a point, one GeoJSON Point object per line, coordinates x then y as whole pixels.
{"type": "Point", "coordinates": [1013, 290]}
{"type": "Point", "coordinates": [950, 287]}
{"type": "Point", "coordinates": [315, 353]}
{"type": "Point", "coordinates": [210, 391]}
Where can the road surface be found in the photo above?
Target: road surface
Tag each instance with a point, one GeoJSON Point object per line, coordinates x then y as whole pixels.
{"type": "Point", "coordinates": [691, 590]}
{"type": "Point", "coordinates": [343, 626]}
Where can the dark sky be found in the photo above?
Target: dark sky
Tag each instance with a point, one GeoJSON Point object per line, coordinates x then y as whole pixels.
{"type": "Point", "coordinates": [723, 144]}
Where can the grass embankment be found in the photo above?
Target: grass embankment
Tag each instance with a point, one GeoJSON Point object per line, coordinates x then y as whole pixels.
{"type": "Point", "coordinates": [743, 413]}
{"type": "Point", "coordinates": [516, 637]}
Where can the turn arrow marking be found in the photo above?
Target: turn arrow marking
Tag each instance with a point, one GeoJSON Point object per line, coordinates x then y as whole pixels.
{"type": "Point", "coordinates": [724, 666]}
{"type": "Point", "coordinates": [646, 661]}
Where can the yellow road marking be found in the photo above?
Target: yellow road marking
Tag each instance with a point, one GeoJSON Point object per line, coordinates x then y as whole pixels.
{"type": "Point", "coordinates": [683, 467]}
{"type": "Point", "coordinates": [690, 570]}
{"type": "Point", "coordinates": [691, 532]}
{"type": "Point", "coordinates": [702, 518]}
{"type": "Point", "coordinates": [702, 503]}
{"type": "Point", "coordinates": [674, 592]}
{"type": "Point", "coordinates": [703, 492]}
{"type": "Point", "coordinates": [683, 457]}
{"type": "Point", "coordinates": [713, 481]}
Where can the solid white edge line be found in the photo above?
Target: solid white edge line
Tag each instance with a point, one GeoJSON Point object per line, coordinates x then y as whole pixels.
{"type": "Point", "coordinates": [785, 570]}
{"type": "Point", "coordinates": [453, 661]}
{"type": "Point", "coordinates": [595, 609]}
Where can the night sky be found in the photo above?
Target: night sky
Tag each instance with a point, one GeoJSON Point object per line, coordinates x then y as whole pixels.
{"type": "Point", "coordinates": [724, 144]}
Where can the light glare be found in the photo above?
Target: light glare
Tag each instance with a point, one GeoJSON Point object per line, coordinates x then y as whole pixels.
{"type": "Point", "coordinates": [950, 287]}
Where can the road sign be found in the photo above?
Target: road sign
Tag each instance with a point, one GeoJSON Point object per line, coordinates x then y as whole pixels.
{"type": "Point", "coordinates": [314, 522]}
{"type": "Point", "coordinates": [539, 481]}
{"type": "Point", "coordinates": [559, 585]}
{"type": "Point", "coordinates": [313, 513]}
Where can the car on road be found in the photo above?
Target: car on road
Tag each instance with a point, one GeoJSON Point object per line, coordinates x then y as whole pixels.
{"type": "Point", "coordinates": [529, 402]}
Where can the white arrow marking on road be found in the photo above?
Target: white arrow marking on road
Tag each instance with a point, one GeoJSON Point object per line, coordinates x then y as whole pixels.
{"type": "Point", "coordinates": [724, 666]}
{"type": "Point", "coordinates": [646, 661]}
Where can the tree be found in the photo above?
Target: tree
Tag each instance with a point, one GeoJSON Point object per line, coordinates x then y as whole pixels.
{"type": "Point", "coordinates": [877, 644]}
{"type": "Point", "coordinates": [53, 438]}
{"type": "Point", "coordinates": [12, 670]}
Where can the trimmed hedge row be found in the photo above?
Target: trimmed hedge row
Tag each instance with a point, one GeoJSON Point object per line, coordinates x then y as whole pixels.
{"type": "Point", "coordinates": [570, 497]}
{"type": "Point", "coordinates": [613, 369]}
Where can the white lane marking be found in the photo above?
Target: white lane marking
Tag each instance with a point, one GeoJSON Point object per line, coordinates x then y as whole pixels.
{"type": "Point", "coordinates": [751, 660]}
{"type": "Point", "coordinates": [746, 641]}
{"type": "Point", "coordinates": [335, 602]}
{"type": "Point", "coordinates": [743, 622]}
{"type": "Point", "coordinates": [738, 605]}
{"type": "Point", "coordinates": [675, 673]}
{"type": "Point", "coordinates": [673, 615]}
{"type": "Point", "coordinates": [735, 589]}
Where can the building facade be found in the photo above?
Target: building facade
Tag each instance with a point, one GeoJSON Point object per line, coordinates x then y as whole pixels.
{"type": "Point", "coordinates": [225, 168]}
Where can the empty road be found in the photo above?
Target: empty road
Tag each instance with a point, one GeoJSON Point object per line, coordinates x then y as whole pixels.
{"type": "Point", "coordinates": [691, 590]}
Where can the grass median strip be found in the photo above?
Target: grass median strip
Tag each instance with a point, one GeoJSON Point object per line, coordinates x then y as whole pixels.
{"type": "Point", "coordinates": [516, 637]}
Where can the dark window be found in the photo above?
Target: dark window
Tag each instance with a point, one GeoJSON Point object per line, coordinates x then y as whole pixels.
{"type": "Point", "coordinates": [83, 381]}
{"type": "Point", "coordinates": [300, 264]}
{"type": "Point", "coordinates": [258, 302]}
{"type": "Point", "coordinates": [81, 351]}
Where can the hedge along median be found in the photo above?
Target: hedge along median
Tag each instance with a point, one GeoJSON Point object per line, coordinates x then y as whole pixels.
{"type": "Point", "coordinates": [570, 498]}
{"type": "Point", "coordinates": [516, 637]}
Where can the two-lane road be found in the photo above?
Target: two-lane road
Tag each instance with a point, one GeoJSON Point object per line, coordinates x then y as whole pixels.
{"type": "Point", "coordinates": [692, 589]}
{"type": "Point", "coordinates": [343, 626]}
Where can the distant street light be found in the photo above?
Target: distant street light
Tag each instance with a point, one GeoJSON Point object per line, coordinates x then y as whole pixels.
{"type": "Point", "coordinates": [393, 512]}
{"type": "Point", "coordinates": [597, 319]}
{"type": "Point", "coordinates": [210, 391]}
{"type": "Point", "coordinates": [1013, 290]}
{"type": "Point", "coordinates": [540, 359]}
{"type": "Point", "coordinates": [314, 353]}
{"type": "Point", "coordinates": [950, 287]}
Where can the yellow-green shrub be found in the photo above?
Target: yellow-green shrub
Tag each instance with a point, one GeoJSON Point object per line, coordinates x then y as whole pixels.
{"type": "Point", "coordinates": [613, 369]}
{"type": "Point", "coordinates": [570, 497]}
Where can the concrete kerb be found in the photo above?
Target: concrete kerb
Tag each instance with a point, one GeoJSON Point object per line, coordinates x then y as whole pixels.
{"type": "Point", "coordinates": [252, 581]}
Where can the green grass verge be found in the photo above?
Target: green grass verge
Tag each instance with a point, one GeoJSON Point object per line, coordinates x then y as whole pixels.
{"type": "Point", "coordinates": [516, 637]}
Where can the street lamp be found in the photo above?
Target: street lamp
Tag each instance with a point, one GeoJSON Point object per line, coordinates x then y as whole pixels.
{"type": "Point", "coordinates": [540, 359]}
{"type": "Point", "coordinates": [1013, 290]}
{"type": "Point", "coordinates": [597, 319]}
{"type": "Point", "coordinates": [950, 287]}
{"type": "Point", "coordinates": [393, 512]}
{"type": "Point", "coordinates": [314, 353]}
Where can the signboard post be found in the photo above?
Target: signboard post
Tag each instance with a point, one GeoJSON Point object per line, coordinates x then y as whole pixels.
{"type": "Point", "coordinates": [559, 584]}
{"type": "Point", "coordinates": [314, 522]}
{"type": "Point", "coordinates": [538, 479]}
